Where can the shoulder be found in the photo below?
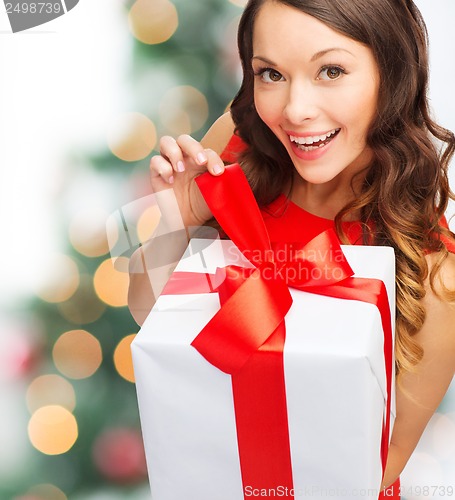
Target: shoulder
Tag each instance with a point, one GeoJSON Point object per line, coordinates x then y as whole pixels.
{"type": "Point", "coordinates": [219, 134]}
{"type": "Point", "coordinates": [442, 265]}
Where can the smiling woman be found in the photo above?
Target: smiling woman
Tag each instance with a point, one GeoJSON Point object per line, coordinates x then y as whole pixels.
{"type": "Point", "coordinates": [332, 128]}
{"type": "Point", "coordinates": [318, 97]}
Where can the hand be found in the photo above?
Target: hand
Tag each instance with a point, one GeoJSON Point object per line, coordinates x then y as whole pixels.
{"type": "Point", "coordinates": [180, 161]}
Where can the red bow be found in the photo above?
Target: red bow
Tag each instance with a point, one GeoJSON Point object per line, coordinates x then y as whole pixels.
{"type": "Point", "coordinates": [246, 336]}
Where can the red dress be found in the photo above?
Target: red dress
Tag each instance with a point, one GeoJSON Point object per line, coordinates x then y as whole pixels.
{"type": "Point", "coordinates": [286, 221]}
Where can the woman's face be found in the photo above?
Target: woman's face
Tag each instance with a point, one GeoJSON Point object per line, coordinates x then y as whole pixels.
{"type": "Point", "coordinates": [317, 91]}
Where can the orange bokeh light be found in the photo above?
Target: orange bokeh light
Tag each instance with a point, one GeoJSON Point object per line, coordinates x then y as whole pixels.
{"type": "Point", "coordinates": [61, 281]}
{"type": "Point", "coordinates": [132, 136]}
{"type": "Point", "coordinates": [122, 358]}
{"type": "Point", "coordinates": [153, 22]}
{"type": "Point", "coordinates": [77, 354]}
{"type": "Point", "coordinates": [52, 430]}
{"type": "Point", "coordinates": [110, 284]}
{"type": "Point", "coordinates": [84, 306]}
{"type": "Point", "coordinates": [45, 492]}
{"type": "Point", "coordinates": [50, 390]}
{"type": "Point", "coordinates": [87, 233]}
{"type": "Point", "coordinates": [183, 110]}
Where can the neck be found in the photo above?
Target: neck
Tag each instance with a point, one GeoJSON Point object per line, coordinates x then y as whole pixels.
{"type": "Point", "coordinates": [328, 199]}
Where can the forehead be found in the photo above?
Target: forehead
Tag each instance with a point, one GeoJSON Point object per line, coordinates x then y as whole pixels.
{"type": "Point", "coordinates": [279, 27]}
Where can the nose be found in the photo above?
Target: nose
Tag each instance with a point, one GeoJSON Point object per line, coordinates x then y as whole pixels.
{"type": "Point", "coordinates": [302, 103]}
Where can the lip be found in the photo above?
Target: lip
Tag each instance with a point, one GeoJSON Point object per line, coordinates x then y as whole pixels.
{"type": "Point", "coordinates": [309, 134]}
{"type": "Point", "coordinates": [316, 153]}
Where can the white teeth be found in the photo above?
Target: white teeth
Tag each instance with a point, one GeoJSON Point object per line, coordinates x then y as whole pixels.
{"type": "Point", "coordinates": [308, 141]}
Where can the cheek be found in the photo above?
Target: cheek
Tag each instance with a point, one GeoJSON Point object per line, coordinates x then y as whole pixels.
{"type": "Point", "coordinates": [361, 116]}
{"type": "Point", "coordinates": [266, 106]}
{"type": "Point", "coordinates": [367, 105]}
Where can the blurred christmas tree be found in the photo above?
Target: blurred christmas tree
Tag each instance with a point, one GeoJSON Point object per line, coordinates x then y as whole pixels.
{"type": "Point", "coordinates": [83, 425]}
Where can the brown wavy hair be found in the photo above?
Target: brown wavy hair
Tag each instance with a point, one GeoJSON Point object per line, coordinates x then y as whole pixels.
{"type": "Point", "coordinates": [406, 189]}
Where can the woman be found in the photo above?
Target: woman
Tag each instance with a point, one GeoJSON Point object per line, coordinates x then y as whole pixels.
{"type": "Point", "coordinates": [332, 128]}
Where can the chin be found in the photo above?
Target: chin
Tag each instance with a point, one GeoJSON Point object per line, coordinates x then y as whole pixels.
{"type": "Point", "coordinates": [317, 178]}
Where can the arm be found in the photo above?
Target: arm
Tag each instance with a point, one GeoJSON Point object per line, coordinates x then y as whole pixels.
{"type": "Point", "coordinates": [424, 389]}
{"type": "Point", "coordinates": [181, 206]}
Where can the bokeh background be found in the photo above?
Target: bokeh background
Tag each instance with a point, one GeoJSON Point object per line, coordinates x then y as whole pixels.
{"type": "Point", "coordinates": [83, 100]}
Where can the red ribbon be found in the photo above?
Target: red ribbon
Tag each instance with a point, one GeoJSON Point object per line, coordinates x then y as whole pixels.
{"type": "Point", "coordinates": [246, 336]}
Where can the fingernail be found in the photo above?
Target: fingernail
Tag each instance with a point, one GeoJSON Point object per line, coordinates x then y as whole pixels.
{"type": "Point", "coordinates": [217, 169]}
{"type": "Point", "coordinates": [180, 166]}
{"type": "Point", "coordinates": [201, 158]}
{"type": "Point", "coordinates": [171, 179]}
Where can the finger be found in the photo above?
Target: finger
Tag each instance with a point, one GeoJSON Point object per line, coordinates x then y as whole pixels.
{"type": "Point", "coordinates": [215, 164]}
{"type": "Point", "coordinates": [193, 149]}
{"type": "Point", "coordinates": [161, 169]}
{"type": "Point", "coordinates": [170, 150]}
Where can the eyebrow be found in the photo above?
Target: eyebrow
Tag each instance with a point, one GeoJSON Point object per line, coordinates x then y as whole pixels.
{"type": "Point", "coordinates": [264, 59]}
{"type": "Point", "coordinates": [315, 57]}
{"type": "Point", "coordinates": [321, 53]}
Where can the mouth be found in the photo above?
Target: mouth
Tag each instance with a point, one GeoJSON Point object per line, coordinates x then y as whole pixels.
{"type": "Point", "coordinates": [311, 143]}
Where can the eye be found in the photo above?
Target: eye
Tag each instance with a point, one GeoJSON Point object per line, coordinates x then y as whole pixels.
{"type": "Point", "coordinates": [331, 73]}
{"type": "Point", "coordinates": [269, 75]}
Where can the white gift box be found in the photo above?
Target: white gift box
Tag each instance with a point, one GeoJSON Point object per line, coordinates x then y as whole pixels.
{"type": "Point", "coordinates": [335, 389]}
